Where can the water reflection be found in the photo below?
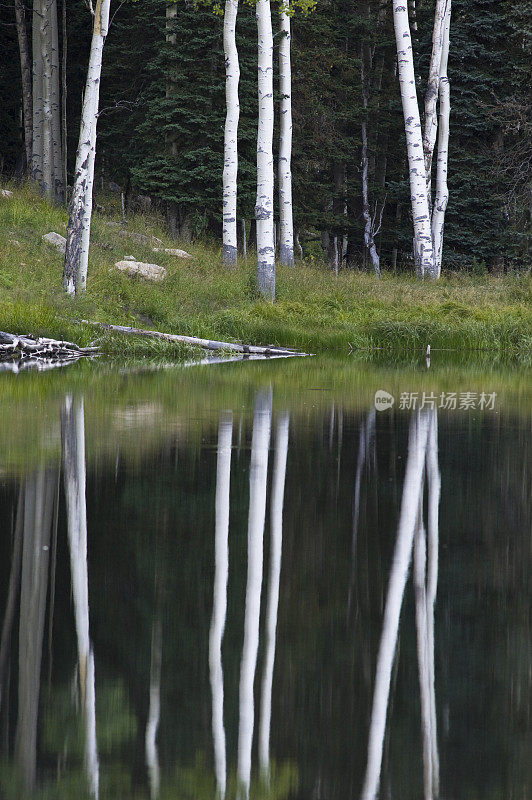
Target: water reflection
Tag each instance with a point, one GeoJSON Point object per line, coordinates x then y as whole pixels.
{"type": "Point", "coordinates": [196, 677]}
{"type": "Point", "coordinates": [276, 544]}
{"type": "Point", "coordinates": [258, 473]}
{"type": "Point", "coordinates": [221, 571]}
{"type": "Point", "coordinates": [73, 453]}
{"type": "Point", "coordinates": [37, 514]}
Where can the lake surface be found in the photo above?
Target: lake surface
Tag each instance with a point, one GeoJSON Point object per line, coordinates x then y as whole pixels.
{"type": "Point", "coordinates": [247, 579]}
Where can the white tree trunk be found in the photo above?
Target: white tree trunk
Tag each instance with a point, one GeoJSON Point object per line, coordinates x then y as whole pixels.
{"type": "Point", "coordinates": [276, 544]}
{"type": "Point", "coordinates": [258, 475]}
{"type": "Point", "coordinates": [286, 248]}
{"type": "Point", "coordinates": [64, 51]}
{"type": "Point", "coordinates": [55, 106]}
{"type": "Point", "coordinates": [78, 231]}
{"type": "Point", "coordinates": [442, 192]}
{"type": "Point", "coordinates": [37, 98]}
{"type": "Point", "coordinates": [221, 571]}
{"type": "Point", "coordinates": [431, 95]}
{"type": "Point", "coordinates": [232, 76]}
{"type": "Point", "coordinates": [365, 74]}
{"type": "Point", "coordinates": [264, 204]}
{"type": "Point", "coordinates": [412, 488]}
{"type": "Point", "coordinates": [73, 447]}
{"type": "Point", "coordinates": [423, 250]}
{"type": "Point", "coordinates": [25, 70]}
{"type": "Point", "coordinates": [46, 61]}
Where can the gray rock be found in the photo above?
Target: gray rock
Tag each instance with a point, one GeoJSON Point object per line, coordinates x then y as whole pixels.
{"type": "Point", "coordinates": [55, 240]}
{"type": "Point", "coordinates": [172, 251]}
{"type": "Point", "coordinates": [151, 272]}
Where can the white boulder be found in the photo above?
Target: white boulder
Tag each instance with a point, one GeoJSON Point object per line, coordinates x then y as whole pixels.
{"type": "Point", "coordinates": [172, 251]}
{"type": "Point", "coordinates": [151, 272]}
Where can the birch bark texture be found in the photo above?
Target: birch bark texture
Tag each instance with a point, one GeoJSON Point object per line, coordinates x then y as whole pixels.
{"type": "Point", "coordinates": [37, 99]}
{"type": "Point", "coordinates": [427, 218]}
{"type": "Point", "coordinates": [79, 222]}
{"type": "Point", "coordinates": [230, 171]}
{"type": "Point", "coordinates": [46, 155]}
{"type": "Point", "coordinates": [286, 225]}
{"type": "Point", "coordinates": [432, 91]}
{"type": "Point", "coordinates": [423, 252]}
{"type": "Point", "coordinates": [366, 63]}
{"type": "Point", "coordinates": [264, 204]}
{"type": "Point", "coordinates": [442, 192]}
{"type": "Point", "coordinates": [26, 74]}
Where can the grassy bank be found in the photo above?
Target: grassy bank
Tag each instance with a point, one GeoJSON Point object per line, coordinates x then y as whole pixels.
{"type": "Point", "coordinates": [313, 311]}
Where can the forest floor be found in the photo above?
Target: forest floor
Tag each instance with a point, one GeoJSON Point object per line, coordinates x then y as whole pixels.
{"type": "Point", "coordinates": [314, 311]}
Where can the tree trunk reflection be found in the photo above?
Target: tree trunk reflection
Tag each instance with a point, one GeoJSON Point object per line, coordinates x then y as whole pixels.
{"type": "Point", "coordinates": [258, 474]}
{"type": "Point", "coordinates": [279, 472]}
{"type": "Point", "coordinates": [221, 555]}
{"type": "Point", "coordinates": [412, 493]}
{"type": "Point", "coordinates": [73, 450]}
{"type": "Point", "coordinates": [38, 508]}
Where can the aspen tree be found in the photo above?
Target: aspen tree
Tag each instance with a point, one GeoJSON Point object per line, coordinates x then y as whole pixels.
{"type": "Point", "coordinates": [25, 69]}
{"type": "Point", "coordinates": [286, 225]}
{"type": "Point", "coordinates": [78, 230]}
{"type": "Point", "coordinates": [46, 159]}
{"type": "Point", "coordinates": [230, 172]}
{"type": "Point", "coordinates": [423, 250]}
{"type": "Point", "coordinates": [428, 228]}
{"type": "Point", "coordinates": [264, 204]}
{"type": "Point", "coordinates": [442, 191]}
{"type": "Point", "coordinates": [45, 38]}
{"type": "Point", "coordinates": [58, 186]}
{"type": "Point", "coordinates": [37, 98]}
{"type": "Point", "coordinates": [366, 59]}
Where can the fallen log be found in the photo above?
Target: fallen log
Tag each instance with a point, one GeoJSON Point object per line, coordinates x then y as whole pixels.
{"type": "Point", "coordinates": [19, 347]}
{"type": "Point", "coordinates": [206, 344]}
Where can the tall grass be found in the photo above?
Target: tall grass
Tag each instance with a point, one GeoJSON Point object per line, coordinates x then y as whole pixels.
{"type": "Point", "coordinates": [313, 310]}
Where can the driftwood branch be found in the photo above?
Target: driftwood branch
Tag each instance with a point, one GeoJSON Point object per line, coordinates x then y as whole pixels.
{"type": "Point", "coordinates": [25, 348]}
{"type": "Point", "coordinates": [206, 344]}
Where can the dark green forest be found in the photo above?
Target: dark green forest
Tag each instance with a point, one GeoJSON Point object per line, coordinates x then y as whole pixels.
{"type": "Point", "coordinates": [168, 146]}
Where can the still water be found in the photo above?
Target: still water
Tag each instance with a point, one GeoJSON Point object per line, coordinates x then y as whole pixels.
{"type": "Point", "coordinates": [245, 580]}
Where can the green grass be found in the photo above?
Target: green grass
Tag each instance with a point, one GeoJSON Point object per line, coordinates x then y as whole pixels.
{"type": "Point", "coordinates": [314, 311]}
